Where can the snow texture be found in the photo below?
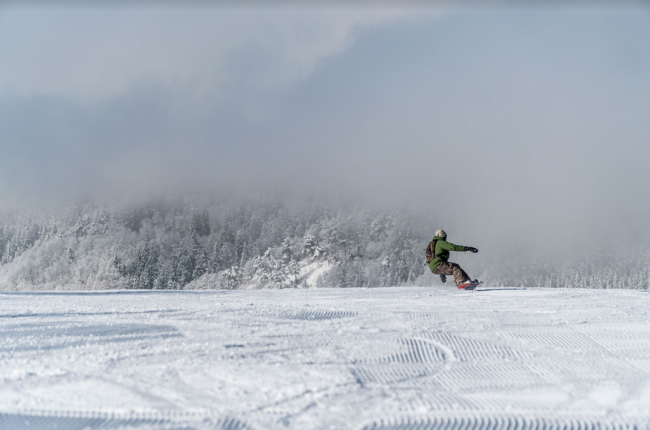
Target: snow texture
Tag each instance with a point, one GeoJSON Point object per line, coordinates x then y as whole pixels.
{"type": "Point", "coordinates": [359, 359]}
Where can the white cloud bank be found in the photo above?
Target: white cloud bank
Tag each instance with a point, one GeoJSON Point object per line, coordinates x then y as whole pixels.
{"type": "Point", "coordinates": [98, 53]}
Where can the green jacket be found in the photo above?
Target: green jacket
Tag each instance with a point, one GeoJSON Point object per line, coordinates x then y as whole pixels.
{"type": "Point", "coordinates": [441, 251]}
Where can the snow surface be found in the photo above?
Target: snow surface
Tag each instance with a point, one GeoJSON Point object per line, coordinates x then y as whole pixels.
{"type": "Point", "coordinates": [386, 358]}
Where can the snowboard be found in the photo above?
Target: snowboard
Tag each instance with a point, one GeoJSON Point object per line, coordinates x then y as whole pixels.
{"type": "Point", "coordinates": [469, 286]}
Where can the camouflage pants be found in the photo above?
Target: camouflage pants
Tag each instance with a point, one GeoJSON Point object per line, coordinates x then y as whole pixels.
{"type": "Point", "coordinates": [446, 268]}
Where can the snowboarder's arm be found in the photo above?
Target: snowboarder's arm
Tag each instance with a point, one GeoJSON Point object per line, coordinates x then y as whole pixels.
{"type": "Point", "coordinates": [451, 247]}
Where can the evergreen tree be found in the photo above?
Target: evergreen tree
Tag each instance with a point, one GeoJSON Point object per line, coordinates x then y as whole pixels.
{"type": "Point", "coordinates": [200, 224]}
{"type": "Point", "coordinates": [309, 245]}
{"type": "Point", "coordinates": [285, 251]}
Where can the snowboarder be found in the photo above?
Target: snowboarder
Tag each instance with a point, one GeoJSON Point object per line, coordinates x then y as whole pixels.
{"type": "Point", "coordinates": [439, 253]}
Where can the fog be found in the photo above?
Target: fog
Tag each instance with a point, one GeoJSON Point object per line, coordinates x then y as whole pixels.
{"type": "Point", "coordinates": [526, 127]}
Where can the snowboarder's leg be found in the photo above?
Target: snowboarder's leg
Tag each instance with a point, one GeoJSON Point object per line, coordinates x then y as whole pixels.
{"type": "Point", "coordinates": [446, 268]}
{"type": "Point", "coordinates": [443, 269]}
{"type": "Point", "coordinates": [460, 277]}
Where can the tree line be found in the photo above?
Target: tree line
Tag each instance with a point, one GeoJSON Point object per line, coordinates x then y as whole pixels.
{"type": "Point", "coordinates": [271, 242]}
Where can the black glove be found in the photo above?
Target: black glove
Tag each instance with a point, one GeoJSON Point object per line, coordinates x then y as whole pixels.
{"type": "Point", "coordinates": [470, 249]}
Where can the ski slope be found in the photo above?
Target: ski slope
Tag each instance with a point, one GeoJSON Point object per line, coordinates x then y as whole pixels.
{"type": "Point", "coordinates": [358, 359]}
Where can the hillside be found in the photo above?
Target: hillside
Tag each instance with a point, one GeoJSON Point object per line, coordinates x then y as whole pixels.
{"type": "Point", "coordinates": [271, 242]}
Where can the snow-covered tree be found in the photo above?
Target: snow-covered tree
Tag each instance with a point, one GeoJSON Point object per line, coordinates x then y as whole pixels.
{"type": "Point", "coordinates": [267, 242]}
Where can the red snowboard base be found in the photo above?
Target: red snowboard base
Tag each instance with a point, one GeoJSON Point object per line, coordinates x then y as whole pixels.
{"type": "Point", "coordinates": [469, 285]}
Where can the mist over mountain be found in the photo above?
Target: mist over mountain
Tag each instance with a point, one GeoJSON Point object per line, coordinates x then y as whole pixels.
{"type": "Point", "coordinates": [520, 131]}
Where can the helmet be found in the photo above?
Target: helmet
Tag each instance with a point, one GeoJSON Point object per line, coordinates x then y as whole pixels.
{"type": "Point", "coordinates": [441, 233]}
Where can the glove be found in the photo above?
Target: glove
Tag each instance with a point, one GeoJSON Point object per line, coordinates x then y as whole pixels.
{"type": "Point", "coordinates": [470, 249]}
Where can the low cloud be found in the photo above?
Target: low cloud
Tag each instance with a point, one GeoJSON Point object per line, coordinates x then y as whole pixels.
{"type": "Point", "coordinates": [521, 127]}
{"type": "Point", "coordinates": [97, 53]}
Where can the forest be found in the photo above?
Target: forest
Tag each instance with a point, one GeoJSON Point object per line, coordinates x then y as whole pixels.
{"type": "Point", "coordinates": [269, 242]}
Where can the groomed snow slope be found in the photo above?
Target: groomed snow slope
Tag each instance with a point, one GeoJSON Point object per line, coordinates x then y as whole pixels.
{"type": "Point", "coordinates": [390, 358]}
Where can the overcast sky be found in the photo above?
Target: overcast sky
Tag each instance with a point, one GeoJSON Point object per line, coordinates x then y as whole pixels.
{"type": "Point", "coordinates": [534, 121]}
